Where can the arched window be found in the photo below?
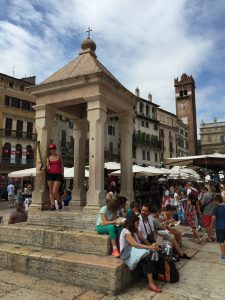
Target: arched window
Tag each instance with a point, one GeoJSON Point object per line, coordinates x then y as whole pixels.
{"type": "Point", "coordinates": [185, 92]}
{"type": "Point", "coordinates": [141, 107]}
{"type": "Point", "coordinates": [6, 152]}
{"type": "Point", "coordinates": [18, 153]}
{"type": "Point", "coordinates": [181, 93]}
{"type": "Point", "coordinates": [111, 147]}
{"type": "Point", "coordinates": [147, 110]}
{"type": "Point", "coordinates": [30, 155]}
{"type": "Point", "coordinates": [63, 138]}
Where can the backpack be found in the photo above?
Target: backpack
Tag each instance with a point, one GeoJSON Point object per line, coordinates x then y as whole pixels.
{"type": "Point", "coordinates": [194, 193]}
{"type": "Point", "coordinates": [166, 270]}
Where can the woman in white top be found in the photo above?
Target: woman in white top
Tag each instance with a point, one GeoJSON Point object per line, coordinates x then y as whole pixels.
{"type": "Point", "coordinates": [131, 237]}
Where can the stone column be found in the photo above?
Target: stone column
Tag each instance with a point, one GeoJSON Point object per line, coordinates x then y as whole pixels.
{"type": "Point", "coordinates": [96, 115]}
{"type": "Point", "coordinates": [43, 122]}
{"type": "Point", "coordinates": [126, 128]}
{"type": "Point", "coordinates": [80, 135]}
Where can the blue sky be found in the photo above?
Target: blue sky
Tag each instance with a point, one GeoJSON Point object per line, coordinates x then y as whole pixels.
{"type": "Point", "coordinates": [143, 43]}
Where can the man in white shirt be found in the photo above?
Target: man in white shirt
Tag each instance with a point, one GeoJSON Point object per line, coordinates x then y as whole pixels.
{"type": "Point", "coordinates": [10, 190]}
{"type": "Point", "coordinates": [146, 227]}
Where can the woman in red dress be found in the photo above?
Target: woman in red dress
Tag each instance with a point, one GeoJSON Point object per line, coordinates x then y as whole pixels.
{"type": "Point", "coordinates": [55, 171]}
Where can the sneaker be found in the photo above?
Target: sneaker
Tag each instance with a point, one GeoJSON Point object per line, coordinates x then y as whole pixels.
{"type": "Point", "coordinates": [222, 257]}
{"type": "Point", "coordinates": [115, 253]}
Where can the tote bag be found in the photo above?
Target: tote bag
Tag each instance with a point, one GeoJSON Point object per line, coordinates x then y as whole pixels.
{"type": "Point", "coordinates": [136, 255]}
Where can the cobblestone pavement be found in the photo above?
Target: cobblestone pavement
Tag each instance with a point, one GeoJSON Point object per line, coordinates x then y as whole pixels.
{"type": "Point", "coordinates": [202, 277]}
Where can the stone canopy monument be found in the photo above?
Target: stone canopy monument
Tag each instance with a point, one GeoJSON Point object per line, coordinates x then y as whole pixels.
{"type": "Point", "coordinates": [63, 245]}
{"type": "Point", "coordinates": [89, 93]}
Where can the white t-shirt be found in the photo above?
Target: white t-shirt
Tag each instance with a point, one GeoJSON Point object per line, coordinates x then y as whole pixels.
{"type": "Point", "coordinates": [176, 199]}
{"type": "Point", "coordinates": [123, 241]}
{"type": "Point", "coordinates": [148, 226]}
{"type": "Point", "coordinates": [10, 189]}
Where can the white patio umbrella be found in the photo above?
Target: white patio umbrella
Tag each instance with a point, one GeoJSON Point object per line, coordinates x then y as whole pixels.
{"type": "Point", "coordinates": [23, 173]}
{"type": "Point", "coordinates": [69, 173]}
{"type": "Point", "coordinates": [183, 173]}
{"type": "Point", "coordinates": [139, 171]}
{"type": "Point", "coordinates": [112, 165]}
{"type": "Point", "coordinates": [31, 172]}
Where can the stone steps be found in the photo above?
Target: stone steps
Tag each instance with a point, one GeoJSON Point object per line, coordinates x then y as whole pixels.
{"type": "Point", "coordinates": [102, 273]}
{"type": "Point", "coordinates": [66, 218]}
{"type": "Point", "coordinates": [76, 240]}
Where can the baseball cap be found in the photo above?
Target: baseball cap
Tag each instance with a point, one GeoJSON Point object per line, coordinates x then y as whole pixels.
{"type": "Point", "coordinates": [51, 146]}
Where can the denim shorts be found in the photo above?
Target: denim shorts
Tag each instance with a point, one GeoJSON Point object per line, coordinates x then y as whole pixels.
{"type": "Point", "coordinates": [54, 177]}
{"type": "Point", "coordinates": [220, 236]}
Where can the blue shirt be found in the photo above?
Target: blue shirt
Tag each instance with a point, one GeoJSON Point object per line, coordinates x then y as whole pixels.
{"type": "Point", "coordinates": [219, 213]}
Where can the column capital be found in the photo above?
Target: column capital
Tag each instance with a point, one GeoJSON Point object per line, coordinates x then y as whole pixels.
{"type": "Point", "coordinates": [127, 115]}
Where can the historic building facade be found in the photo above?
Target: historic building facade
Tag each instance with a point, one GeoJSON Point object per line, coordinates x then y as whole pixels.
{"type": "Point", "coordinates": [212, 137]}
{"type": "Point", "coordinates": [173, 135]}
{"type": "Point", "coordinates": [146, 145]}
{"type": "Point", "coordinates": [17, 129]}
{"type": "Point", "coordinates": [186, 108]}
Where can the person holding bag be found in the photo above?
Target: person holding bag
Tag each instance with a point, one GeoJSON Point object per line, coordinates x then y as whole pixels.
{"type": "Point", "coordinates": [54, 176]}
{"type": "Point", "coordinates": [132, 252]}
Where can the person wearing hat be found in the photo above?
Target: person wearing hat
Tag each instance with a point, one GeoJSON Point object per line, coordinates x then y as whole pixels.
{"type": "Point", "coordinates": [55, 172]}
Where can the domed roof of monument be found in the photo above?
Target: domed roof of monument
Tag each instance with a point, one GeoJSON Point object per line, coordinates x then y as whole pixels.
{"type": "Point", "coordinates": [85, 64]}
{"type": "Point", "coordinates": [88, 44]}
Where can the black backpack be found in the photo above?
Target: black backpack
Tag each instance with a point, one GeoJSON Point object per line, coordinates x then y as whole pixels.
{"type": "Point", "coordinates": [166, 270]}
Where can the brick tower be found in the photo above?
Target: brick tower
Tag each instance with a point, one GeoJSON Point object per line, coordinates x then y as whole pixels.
{"type": "Point", "coordinates": [186, 109]}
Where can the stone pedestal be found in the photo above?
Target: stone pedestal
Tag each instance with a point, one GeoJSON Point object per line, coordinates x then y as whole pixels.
{"type": "Point", "coordinates": [80, 136]}
{"type": "Point", "coordinates": [126, 129]}
{"type": "Point", "coordinates": [96, 115]}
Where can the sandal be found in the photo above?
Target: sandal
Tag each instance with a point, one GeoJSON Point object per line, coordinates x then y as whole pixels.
{"type": "Point", "coordinates": [52, 207]}
{"type": "Point", "coordinates": [209, 241]}
{"type": "Point", "coordinates": [60, 205]}
{"type": "Point", "coordinates": [155, 289]}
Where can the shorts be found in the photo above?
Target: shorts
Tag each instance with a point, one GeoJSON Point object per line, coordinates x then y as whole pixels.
{"type": "Point", "coordinates": [10, 197]}
{"type": "Point", "coordinates": [220, 236]}
{"type": "Point", "coordinates": [206, 221]}
{"type": "Point", "coordinates": [54, 177]}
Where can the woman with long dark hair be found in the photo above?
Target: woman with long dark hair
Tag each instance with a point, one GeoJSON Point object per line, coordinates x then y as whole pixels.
{"type": "Point", "coordinates": [55, 172]}
{"type": "Point", "coordinates": [130, 238]}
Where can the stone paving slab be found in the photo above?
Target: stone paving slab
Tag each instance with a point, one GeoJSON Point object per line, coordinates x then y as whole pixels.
{"type": "Point", "coordinates": [210, 257]}
{"type": "Point", "coordinates": [22, 294]}
{"type": "Point", "coordinates": [199, 280]}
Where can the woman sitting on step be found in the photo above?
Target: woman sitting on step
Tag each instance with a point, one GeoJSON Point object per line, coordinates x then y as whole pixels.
{"type": "Point", "coordinates": [106, 223]}
{"type": "Point", "coordinates": [133, 252]}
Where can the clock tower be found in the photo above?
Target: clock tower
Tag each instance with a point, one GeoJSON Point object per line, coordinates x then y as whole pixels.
{"type": "Point", "coordinates": [186, 108]}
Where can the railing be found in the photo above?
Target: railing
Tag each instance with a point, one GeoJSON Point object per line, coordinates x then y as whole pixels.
{"type": "Point", "coordinates": [15, 134]}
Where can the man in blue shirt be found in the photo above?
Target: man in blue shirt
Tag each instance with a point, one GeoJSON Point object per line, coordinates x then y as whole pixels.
{"type": "Point", "coordinates": [219, 218]}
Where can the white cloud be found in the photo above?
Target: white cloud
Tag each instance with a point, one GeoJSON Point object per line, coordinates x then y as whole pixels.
{"type": "Point", "coordinates": [146, 43]}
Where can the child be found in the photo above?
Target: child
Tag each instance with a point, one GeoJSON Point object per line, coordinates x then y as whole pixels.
{"type": "Point", "coordinates": [121, 200]}
{"type": "Point", "coordinates": [106, 223]}
{"type": "Point", "coordinates": [133, 209]}
{"type": "Point", "coordinates": [219, 218]}
{"type": "Point", "coordinates": [191, 217]}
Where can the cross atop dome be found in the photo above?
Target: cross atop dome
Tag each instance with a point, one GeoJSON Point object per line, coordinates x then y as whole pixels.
{"type": "Point", "coordinates": [88, 32]}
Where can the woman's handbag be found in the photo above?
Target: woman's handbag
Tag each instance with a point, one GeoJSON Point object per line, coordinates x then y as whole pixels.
{"type": "Point", "coordinates": [136, 255]}
{"type": "Point", "coordinates": [125, 254]}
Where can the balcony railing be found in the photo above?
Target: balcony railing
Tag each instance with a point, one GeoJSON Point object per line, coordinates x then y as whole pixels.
{"type": "Point", "coordinates": [15, 134]}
